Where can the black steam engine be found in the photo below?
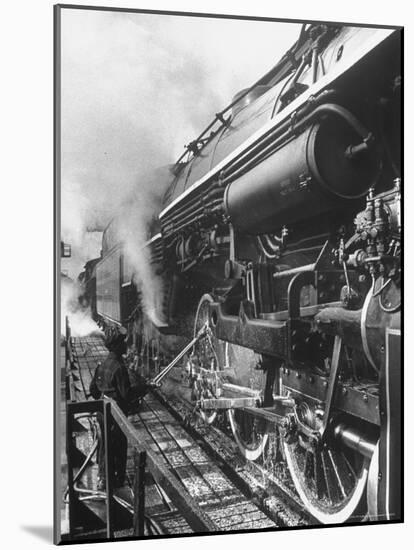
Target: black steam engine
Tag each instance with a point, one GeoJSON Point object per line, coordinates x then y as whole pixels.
{"type": "Point", "coordinates": [279, 247]}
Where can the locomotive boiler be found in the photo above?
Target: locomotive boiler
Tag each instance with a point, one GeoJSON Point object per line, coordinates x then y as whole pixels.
{"type": "Point", "coordinates": [279, 245]}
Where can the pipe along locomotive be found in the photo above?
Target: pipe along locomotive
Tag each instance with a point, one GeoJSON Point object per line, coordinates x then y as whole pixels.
{"type": "Point", "coordinates": [279, 249]}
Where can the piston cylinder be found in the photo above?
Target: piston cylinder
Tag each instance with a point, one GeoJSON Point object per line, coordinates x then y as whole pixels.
{"type": "Point", "coordinates": [308, 175]}
{"type": "Point", "coordinates": [363, 443]}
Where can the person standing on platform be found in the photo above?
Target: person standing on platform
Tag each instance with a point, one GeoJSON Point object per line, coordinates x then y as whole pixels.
{"type": "Point", "coordinates": [111, 380]}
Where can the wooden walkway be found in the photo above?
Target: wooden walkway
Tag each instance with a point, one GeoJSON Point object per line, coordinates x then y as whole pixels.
{"type": "Point", "coordinates": [200, 476]}
{"type": "Point", "coordinates": [213, 491]}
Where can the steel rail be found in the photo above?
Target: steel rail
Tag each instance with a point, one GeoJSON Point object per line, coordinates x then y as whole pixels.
{"type": "Point", "coordinates": [173, 437]}
{"type": "Point", "coordinates": [289, 502]}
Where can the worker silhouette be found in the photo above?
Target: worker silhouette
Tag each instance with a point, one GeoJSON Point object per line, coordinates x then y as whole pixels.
{"type": "Point", "coordinates": [111, 379]}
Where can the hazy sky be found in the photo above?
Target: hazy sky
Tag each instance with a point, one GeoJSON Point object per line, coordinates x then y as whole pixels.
{"type": "Point", "coordinates": [135, 89]}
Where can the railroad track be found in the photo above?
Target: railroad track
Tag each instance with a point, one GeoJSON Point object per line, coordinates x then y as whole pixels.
{"type": "Point", "coordinates": [87, 352]}
{"type": "Point", "coordinates": [213, 490]}
{"type": "Point", "coordinates": [265, 488]}
{"type": "Point", "coordinates": [205, 461]}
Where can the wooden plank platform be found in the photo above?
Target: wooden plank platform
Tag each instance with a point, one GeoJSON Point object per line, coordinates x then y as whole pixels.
{"type": "Point", "coordinates": [164, 435]}
{"type": "Point", "coordinates": [222, 501]}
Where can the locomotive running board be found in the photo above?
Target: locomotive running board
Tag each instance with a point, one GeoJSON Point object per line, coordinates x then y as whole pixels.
{"type": "Point", "coordinates": [264, 336]}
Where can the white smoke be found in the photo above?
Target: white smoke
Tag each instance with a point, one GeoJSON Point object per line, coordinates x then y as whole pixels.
{"type": "Point", "coordinates": [78, 314]}
{"type": "Point", "coordinates": [148, 283]}
{"type": "Point", "coordinates": [131, 228]}
{"type": "Point", "coordinates": [135, 89]}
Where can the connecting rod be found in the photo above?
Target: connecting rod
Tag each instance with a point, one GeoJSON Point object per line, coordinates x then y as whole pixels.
{"type": "Point", "coordinates": [187, 348]}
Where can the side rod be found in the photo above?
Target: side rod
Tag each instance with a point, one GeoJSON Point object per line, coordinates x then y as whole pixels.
{"type": "Point", "coordinates": [167, 369]}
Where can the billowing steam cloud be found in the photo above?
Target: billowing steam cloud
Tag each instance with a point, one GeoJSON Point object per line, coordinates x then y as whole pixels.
{"type": "Point", "coordinates": [132, 230]}
{"type": "Point", "coordinates": [135, 89]}
{"type": "Point", "coordinates": [79, 315]}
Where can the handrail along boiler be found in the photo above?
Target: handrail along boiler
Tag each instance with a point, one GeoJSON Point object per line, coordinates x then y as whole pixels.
{"type": "Point", "coordinates": [280, 233]}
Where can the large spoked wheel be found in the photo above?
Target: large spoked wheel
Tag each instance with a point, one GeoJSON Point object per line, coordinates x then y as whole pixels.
{"type": "Point", "coordinates": [248, 431]}
{"type": "Point", "coordinates": [331, 479]}
{"type": "Point", "coordinates": [208, 356]}
{"type": "Point", "coordinates": [248, 434]}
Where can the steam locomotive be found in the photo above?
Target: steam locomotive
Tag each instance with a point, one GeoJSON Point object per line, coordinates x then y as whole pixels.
{"type": "Point", "coordinates": [278, 248]}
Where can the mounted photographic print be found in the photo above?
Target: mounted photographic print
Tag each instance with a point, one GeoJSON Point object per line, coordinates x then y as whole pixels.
{"type": "Point", "coordinates": [228, 262]}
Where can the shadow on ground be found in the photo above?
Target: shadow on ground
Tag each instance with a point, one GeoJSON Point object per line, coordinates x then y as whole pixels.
{"type": "Point", "coordinates": [43, 532]}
